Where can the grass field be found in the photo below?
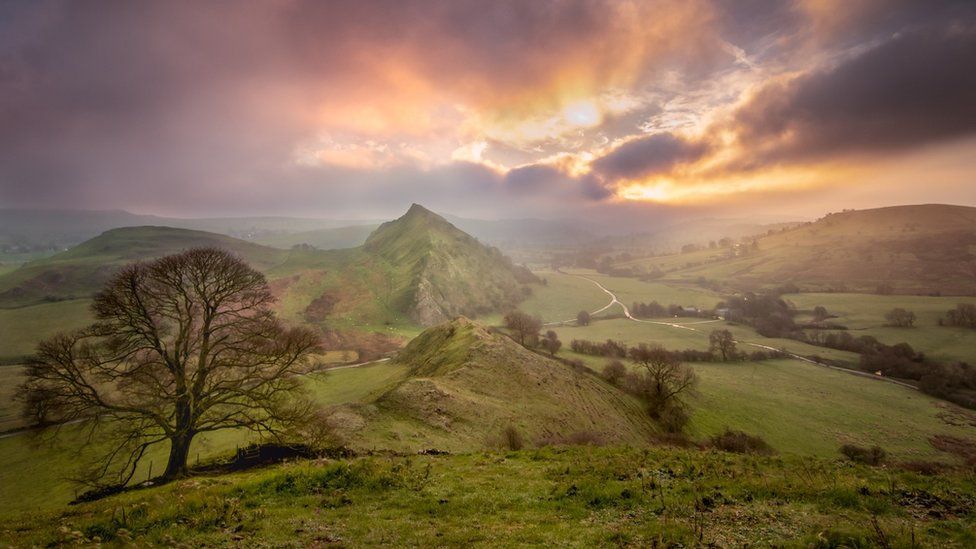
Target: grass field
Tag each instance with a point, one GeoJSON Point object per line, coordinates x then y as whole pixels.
{"type": "Point", "coordinates": [693, 336]}
{"type": "Point", "coordinates": [560, 299]}
{"type": "Point", "coordinates": [556, 497]}
{"type": "Point", "coordinates": [36, 476]}
{"type": "Point", "coordinates": [566, 294]}
{"type": "Point", "coordinates": [671, 262]}
{"type": "Point", "coordinates": [863, 314]}
{"type": "Point", "coordinates": [21, 329]}
{"type": "Point", "coordinates": [804, 409]}
{"type": "Point", "coordinates": [628, 290]}
{"type": "Point", "coordinates": [10, 379]}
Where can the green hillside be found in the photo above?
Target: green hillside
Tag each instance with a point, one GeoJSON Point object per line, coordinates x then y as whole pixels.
{"type": "Point", "coordinates": [80, 271]}
{"type": "Point", "coordinates": [442, 272]}
{"type": "Point", "coordinates": [554, 497]}
{"type": "Point", "coordinates": [415, 271]}
{"type": "Point", "coordinates": [323, 239]}
{"type": "Point", "coordinates": [466, 385]}
{"type": "Point", "coordinates": [916, 249]}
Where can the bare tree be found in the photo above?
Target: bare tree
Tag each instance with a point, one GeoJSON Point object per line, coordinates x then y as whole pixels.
{"type": "Point", "coordinates": [724, 342]}
{"type": "Point", "coordinates": [665, 379]}
{"type": "Point", "coordinates": [525, 327]}
{"type": "Point", "coordinates": [183, 345]}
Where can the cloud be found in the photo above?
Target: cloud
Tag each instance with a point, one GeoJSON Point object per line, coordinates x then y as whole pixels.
{"type": "Point", "coordinates": [192, 108]}
{"type": "Point", "coordinates": [648, 155]}
{"type": "Point", "coordinates": [914, 89]}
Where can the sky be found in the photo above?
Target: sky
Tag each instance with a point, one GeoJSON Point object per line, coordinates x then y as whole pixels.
{"type": "Point", "coordinates": [500, 109]}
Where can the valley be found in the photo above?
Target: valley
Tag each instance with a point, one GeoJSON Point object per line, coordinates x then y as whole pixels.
{"type": "Point", "coordinates": [556, 273]}
{"type": "Point", "coordinates": [402, 370]}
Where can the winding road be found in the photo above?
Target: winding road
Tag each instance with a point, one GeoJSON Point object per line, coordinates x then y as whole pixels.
{"type": "Point", "coordinates": [691, 326]}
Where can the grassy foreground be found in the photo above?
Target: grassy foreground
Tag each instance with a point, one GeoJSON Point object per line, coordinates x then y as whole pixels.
{"type": "Point", "coordinates": [567, 496]}
{"type": "Point", "coordinates": [37, 476]}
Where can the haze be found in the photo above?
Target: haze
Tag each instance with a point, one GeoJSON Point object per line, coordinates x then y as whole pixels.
{"type": "Point", "coordinates": [542, 109]}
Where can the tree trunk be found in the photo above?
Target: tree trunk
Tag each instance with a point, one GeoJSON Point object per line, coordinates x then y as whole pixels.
{"type": "Point", "coordinates": [179, 450]}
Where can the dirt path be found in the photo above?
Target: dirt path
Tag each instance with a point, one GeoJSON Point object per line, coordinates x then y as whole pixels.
{"type": "Point", "coordinates": [690, 326]}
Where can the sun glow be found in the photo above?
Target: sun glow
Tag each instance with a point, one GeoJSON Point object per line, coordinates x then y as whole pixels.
{"type": "Point", "coordinates": [723, 187]}
{"type": "Point", "coordinates": [583, 114]}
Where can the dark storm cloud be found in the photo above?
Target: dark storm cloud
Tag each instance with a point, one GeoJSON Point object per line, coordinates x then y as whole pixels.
{"type": "Point", "coordinates": [648, 155]}
{"type": "Point", "coordinates": [914, 89]}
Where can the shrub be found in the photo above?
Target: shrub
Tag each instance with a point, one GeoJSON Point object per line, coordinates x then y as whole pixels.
{"type": "Point", "coordinates": [512, 438]}
{"type": "Point", "coordinates": [583, 318]}
{"type": "Point", "coordinates": [963, 315]}
{"type": "Point", "coordinates": [874, 455]}
{"type": "Point", "coordinates": [900, 318]}
{"type": "Point", "coordinates": [673, 418]}
{"type": "Point", "coordinates": [923, 467]}
{"type": "Point", "coordinates": [739, 442]}
{"type": "Point", "coordinates": [614, 371]}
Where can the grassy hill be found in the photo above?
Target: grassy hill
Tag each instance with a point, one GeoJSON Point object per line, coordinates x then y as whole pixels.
{"type": "Point", "coordinates": [557, 496]}
{"type": "Point", "coordinates": [324, 239]}
{"type": "Point", "coordinates": [54, 230]}
{"type": "Point", "coordinates": [80, 271]}
{"type": "Point", "coordinates": [466, 385]}
{"type": "Point", "coordinates": [916, 249]}
{"type": "Point", "coordinates": [415, 271]}
{"type": "Point", "coordinates": [441, 271]}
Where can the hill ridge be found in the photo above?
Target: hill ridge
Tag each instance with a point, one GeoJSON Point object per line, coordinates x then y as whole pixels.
{"type": "Point", "coordinates": [465, 384]}
{"type": "Point", "coordinates": [447, 271]}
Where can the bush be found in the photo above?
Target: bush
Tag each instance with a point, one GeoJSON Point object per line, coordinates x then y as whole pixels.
{"type": "Point", "coordinates": [874, 455]}
{"type": "Point", "coordinates": [614, 371]}
{"type": "Point", "coordinates": [739, 442]}
{"type": "Point", "coordinates": [512, 438]}
{"type": "Point", "coordinates": [673, 418]}
{"type": "Point", "coordinates": [583, 318]}
{"type": "Point", "coordinates": [900, 318]}
{"type": "Point", "coordinates": [923, 467]}
{"type": "Point", "coordinates": [964, 315]}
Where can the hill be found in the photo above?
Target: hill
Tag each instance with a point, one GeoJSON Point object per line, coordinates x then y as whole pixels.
{"type": "Point", "coordinates": [26, 232]}
{"type": "Point", "coordinates": [465, 385]}
{"type": "Point", "coordinates": [442, 272]}
{"type": "Point", "coordinates": [916, 249]}
{"type": "Point", "coordinates": [324, 239]}
{"type": "Point", "coordinates": [415, 271]}
{"type": "Point", "coordinates": [80, 271]}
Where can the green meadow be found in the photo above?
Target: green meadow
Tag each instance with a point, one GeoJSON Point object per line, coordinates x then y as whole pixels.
{"type": "Point", "coordinates": [864, 314]}
{"type": "Point", "coordinates": [36, 473]}
{"type": "Point", "coordinates": [24, 327]}
{"type": "Point", "coordinates": [555, 496]}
